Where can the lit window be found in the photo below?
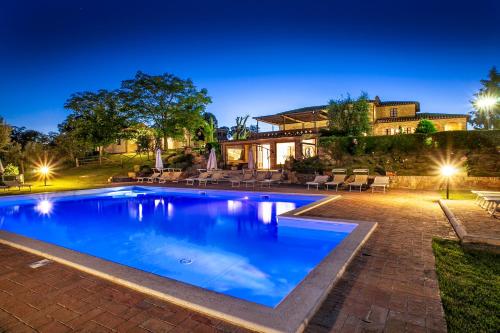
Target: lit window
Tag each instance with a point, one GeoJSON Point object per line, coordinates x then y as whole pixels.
{"type": "Point", "coordinates": [284, 151]}
{"type": "Point", "coordinates": [235, 153]}
{"type": "Point", "coordinates": [309, 148]}
{"type": "Point", "coordinates": [394, 112]}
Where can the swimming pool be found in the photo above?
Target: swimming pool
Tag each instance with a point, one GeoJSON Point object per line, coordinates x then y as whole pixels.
{"type": "Point", "coordinates": [225, 242]}
{"type": "Point", "coordinates": [244, 245]}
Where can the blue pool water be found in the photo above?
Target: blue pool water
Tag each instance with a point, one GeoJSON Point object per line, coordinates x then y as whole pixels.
{"type": "Point", "coordinates": [228, 242]}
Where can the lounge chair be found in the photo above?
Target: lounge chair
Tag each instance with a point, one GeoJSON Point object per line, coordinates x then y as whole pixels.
{"type": "Point", "coordinates": [492, 204]}
{"type": "Point", "coordinates": [380, 182]}
{"type": "Point", "coordinates": [214, 178]}
{"type": "Point", "coordinates": [15, 183]}
{"type": "Point", "coordinates": [258, 178]}
{"type": "Point", "coordinates": [275, 178]}
{"type": "Point", "coordinates": [153, 177]}
{"type": "Point", "coordinates": [318, 180]}
{"type": "Point", "coordinates": [201, 178]}
{"type": "Point", "coordinates": [337, 181]}
{"type": "Point", "coordinates": [359, 181]}
{"type": "Point", "coordinates": [236, 181]}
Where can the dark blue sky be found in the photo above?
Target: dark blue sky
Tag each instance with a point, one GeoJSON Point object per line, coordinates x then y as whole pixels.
{"type": "Point", "coordinates": [254, 57]}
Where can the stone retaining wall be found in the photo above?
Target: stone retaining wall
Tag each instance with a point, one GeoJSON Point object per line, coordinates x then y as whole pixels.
{"type": "Point", "coordinates": [436, 182]}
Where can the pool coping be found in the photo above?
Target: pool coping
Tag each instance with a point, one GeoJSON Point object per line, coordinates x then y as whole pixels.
{"type": "Point", "coordinates": [291, 315]}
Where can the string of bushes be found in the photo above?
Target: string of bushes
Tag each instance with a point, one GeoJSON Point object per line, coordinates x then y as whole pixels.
{"type": "Point", "coordinates": [484, 141]}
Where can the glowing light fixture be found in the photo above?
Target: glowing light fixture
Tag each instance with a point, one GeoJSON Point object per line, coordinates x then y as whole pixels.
{"type": "Point", "coordinates": [44, 170]}
{"type": "Point", "coordinates": [448, 171]}
{"type": "Point", "coordinates": [486, 102]}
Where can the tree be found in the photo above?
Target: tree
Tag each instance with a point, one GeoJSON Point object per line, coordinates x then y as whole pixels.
{"type": "Point", "coordinates": [349, 117]}
{"type": "Point", "coordinates": [23, 136]}
{"type": "Point", "coordinates": [5, 132]}
{"type": "Point", "coordinates": [97, 118]}
{"type": "Point", "coordinates": [170, 105]}
{"type": "Point", "coordinates": [486, 103]}
{"type": "Point", "coordinates": [425, 126]}
{"type": "Point", "coordinates": [240, 131]}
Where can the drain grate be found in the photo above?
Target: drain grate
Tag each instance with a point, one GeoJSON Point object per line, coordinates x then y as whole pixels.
{"type": "Point", "coordinates": [40, 263]}
{"type": "Point", "coordinates": [186, 261]}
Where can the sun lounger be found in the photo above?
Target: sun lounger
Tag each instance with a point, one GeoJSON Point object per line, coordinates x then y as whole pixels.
{"type": "Point", "coordinates": [201, 178]}
{"type": "Point", "coordinates": [318, 180]}
{"type": "Point", "coordinates": [481, 194]}
{"type": "Point", "coordinates": [359, 181]}
{"type": "Point", "coordinates": [258, 178]}
{"type": "Point", "coordinates": [276, 178]}
{"type": "Point", "coordinates": [214, 178]}
{"type": "Point", "coordinates": [337, 181]}
{"type": "Point", "coordinates": [155, 176]}
{"type": "Point", "coordinates": [236, 181]}
{"type": "Point", "coordinates": [14, 183]}
{"type": "Point", "coordinates": [380, 182]}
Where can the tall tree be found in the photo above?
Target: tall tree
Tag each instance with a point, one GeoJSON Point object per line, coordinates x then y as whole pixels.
{"type": "Point", "coordinates": [5, 132]}
{"type": "Point", "coordinates": [486, 103]}
{"type": "Point", "coordinates": [240, 131]}
{"type": "Point", "coordinates": [97, 118]}
{"type": "Point", "coordinates": [167, 103]}
{"type": "Point", "coordinates": [349, 116]}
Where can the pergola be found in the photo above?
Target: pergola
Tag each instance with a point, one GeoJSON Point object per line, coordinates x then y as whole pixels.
{"type": "Point", "coordinates": [309, 116]}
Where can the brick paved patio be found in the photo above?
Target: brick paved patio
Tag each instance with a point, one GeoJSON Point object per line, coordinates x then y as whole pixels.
{"type": "Point", "coordinates": [390, 286]}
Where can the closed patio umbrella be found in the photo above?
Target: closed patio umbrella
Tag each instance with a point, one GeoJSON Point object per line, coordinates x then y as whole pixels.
{"type": "Point", "coordinates": [212, 160]}
{"type": "Point", "coordinates": [159, 161]}
{"type": "Point", "coordinates": [2, 170]}
{"type": "Point", "coordinates": [251, 163]}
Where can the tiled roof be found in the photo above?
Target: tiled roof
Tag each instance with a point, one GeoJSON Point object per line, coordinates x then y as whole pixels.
{"type": "Point", "coordinates": [422, 116]}
{"type": "Point", "coordinates": [324, 107]}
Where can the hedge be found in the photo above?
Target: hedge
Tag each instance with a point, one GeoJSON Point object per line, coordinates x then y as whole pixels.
{"type": "Point", "coordinates": [408, 143]}
{"type": "Point", "coordinates": [414, 154]}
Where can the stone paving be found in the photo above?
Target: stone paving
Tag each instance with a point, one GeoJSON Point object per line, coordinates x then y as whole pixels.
{"type": "Point", "coordinates": [475, 219]}
{"type": "Point", "coordinates": [390, 286]}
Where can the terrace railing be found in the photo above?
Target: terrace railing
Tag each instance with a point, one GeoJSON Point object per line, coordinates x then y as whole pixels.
{"type": "Point", "coordinates": [284, 133]}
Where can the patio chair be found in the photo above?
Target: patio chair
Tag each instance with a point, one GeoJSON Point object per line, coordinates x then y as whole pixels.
{"type": "Point", "coordinates": [492, 205]}
{"type": "Point", "coordinates": [214, 178]}
{"type": "Point", "coordinates": [258, 178]}
{"type": "Point", "coordinates": [164, 177]}
{"type": "Point", "coordinates": [202, 176]}
{"type": "Point", "coordinates": [275, 178]}
{"type": "Point", "coordinates": [318, 180]}
{"type": "Point", "coordinates": [15, 183]}
{"type": "Point", "coordinates": [337, 181]}
{"type": "Point", "coordinates": [236, 181]}
{"type": "Point", "coordinates": [380, 182]}
{"type": "Point", "coordinates": [359, 181]}
{"type": "Point", "coordinates": [155, 176]}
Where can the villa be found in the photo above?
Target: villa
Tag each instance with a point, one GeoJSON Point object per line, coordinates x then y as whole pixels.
{"type": "Point", "coordinates": [298, 131]}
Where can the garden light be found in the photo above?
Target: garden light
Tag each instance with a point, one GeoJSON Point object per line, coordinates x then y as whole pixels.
{"type": "Point", "coordinates": [486, 102]}
{"type": "Point", "coordinates": [448, 171]}
{"type": "Point", "coordinates": [44, 171]}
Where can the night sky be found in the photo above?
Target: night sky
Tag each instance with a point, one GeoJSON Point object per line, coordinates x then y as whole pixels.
{"type": "Point", "coordinates": [254, 57]}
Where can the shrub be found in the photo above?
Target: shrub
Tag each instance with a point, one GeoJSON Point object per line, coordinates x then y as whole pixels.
{"type": "Point", "coordinates": [425, 126]}
{"type": "Point", "coordinates": [308, 165]}
{"type": "Point", "coordinates": [11, 170]}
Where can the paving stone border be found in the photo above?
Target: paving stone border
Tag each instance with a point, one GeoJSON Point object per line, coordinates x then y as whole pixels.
{"type": "Point", "coordinates": [467, 239]}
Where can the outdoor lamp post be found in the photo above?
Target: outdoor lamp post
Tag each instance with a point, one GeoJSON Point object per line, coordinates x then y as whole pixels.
{"type": "Point", "coordinates": [448, 171]}
{"type": "Point", "coordinates": [486, 102]}
{"type": "Point", "coordinates": [44, 171]}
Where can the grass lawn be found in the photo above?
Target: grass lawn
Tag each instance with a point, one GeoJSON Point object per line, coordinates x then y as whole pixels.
{"type": "Point", "coordinates": [458, 194]}
{"type": "Point", "coordinates": [470, 287]}
{"type": "Point", "coordinates": [83, 177]}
